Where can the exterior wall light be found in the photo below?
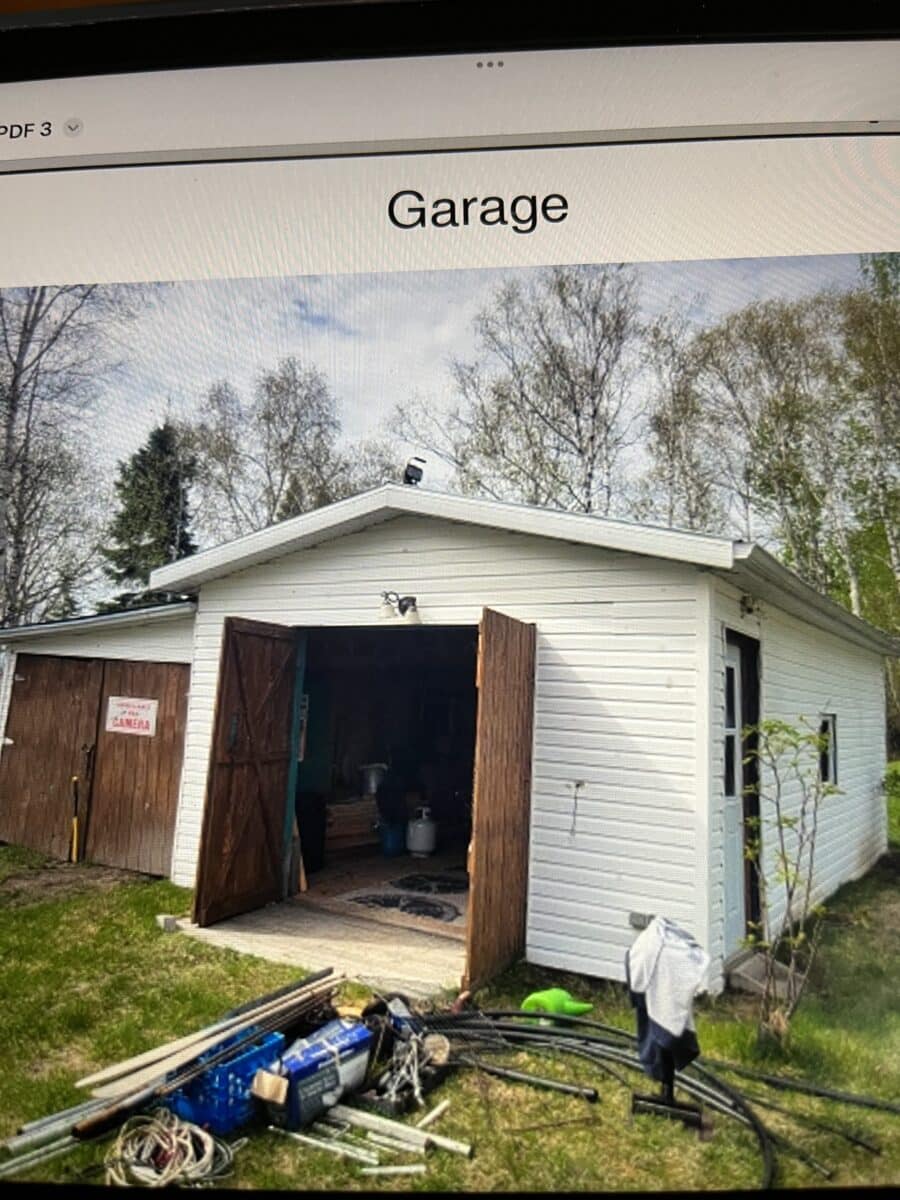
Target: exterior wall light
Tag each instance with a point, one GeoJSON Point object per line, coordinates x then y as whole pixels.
{"type": "Point", "coordinates": [389, 602]}
{"type": "Point", "coordinates": [395, 606]}
{"type": "Point", "coordinates": [406, 606]}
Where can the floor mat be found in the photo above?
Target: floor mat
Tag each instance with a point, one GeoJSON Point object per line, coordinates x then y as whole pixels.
{"type": "Point", "coordinates": [434, 883]}
{"type": "Point", "coordinates": [412, 905]}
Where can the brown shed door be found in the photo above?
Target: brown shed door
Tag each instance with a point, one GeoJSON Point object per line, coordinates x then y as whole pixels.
{"type": "Point", "coordinates": [134, 795]}
{"type": "Point", "coordinates": [242, 843]}
{"type": "Point", "coordinates": [52, 717]}
{"type": "Point", "coordinates": [498, 852]}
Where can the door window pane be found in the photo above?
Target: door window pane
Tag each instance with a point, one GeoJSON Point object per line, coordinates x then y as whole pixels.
{"type": "Point", "coordinates": [730, 788]}
{"type": "Point", "coordinates": [730, 697]}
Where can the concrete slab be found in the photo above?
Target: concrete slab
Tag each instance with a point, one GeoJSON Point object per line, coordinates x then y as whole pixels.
{"type": "Point", "coordinates": [384, 957]}
{"type": "Point", "coordinates": [748, 974]}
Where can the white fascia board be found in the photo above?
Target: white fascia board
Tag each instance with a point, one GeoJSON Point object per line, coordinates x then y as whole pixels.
{"type": "Point", "coordinates": [394, 500]}
{"type": "Point", "coordinates": [146, 616]}
{"type": "Point", "coordinates": [765, 578]}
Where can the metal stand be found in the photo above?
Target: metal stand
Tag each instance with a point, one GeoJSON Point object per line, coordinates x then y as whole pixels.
{"type": "Point", "coordinates": [665, 1104]}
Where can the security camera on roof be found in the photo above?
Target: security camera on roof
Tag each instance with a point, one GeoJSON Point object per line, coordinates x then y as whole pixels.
{"type": "Point", "coordinates": [413, 473]}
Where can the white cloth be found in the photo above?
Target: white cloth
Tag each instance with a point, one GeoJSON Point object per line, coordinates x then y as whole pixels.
{"type": "Point", "coordinates": [669, 967]}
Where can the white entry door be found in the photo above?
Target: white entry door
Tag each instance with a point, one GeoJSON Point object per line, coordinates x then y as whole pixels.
{"type": "Point", "coordinates": [735, 916]}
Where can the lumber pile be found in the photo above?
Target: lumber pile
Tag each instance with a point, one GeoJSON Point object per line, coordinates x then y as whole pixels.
{"type": "Point", "coordinates": [140, 1081]}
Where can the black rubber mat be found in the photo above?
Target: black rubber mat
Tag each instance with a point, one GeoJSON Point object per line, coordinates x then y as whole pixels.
{"type": "Point", "coordinates": [414, 906]}
{"type": "Point", "coordinates": [432, 885]}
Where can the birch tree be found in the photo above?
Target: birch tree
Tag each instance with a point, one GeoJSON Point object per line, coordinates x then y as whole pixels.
{"type": "Point", "coordinates": [681, 486]}
{"type": "Point", "coordinates": [277, 454]}
{"type": "Point", "coordinates": [545, 413]}
{"type": "Point", "coordinates": [53, 352]}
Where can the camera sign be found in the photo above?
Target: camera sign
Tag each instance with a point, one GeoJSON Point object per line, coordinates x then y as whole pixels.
{"type": "Point", "coordinates": [126, 714]}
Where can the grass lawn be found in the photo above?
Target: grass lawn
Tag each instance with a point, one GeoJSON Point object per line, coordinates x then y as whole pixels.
{"type": "Point", "coordinates": [89, 979]}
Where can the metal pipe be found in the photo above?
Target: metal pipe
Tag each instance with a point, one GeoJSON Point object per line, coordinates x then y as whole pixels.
{"type": "Point", "coordinates": [24, 1162]}
{"type": "Point", "coordinates": [419, 1137]}
{"type": "Point", "coordinates": [57, 1117]}
{"type": "Point", "coordinates": [389, 1143]}
{"type": "Point", "coordinates": [431, 1117]}
{"type": "Point", "coordinates": [410, 1169]}
{"type": "Point", "coordinates": [46, 1132]}
{"type": "Point", "coordinates": [343, 1151]}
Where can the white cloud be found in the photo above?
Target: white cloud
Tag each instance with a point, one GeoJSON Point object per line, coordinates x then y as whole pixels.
{"type": "Point", "coordinates": [379, 339]}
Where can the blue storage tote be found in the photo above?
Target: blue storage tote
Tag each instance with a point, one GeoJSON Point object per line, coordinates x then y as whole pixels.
{"type": "Point", "coordinates": [220, 1099]}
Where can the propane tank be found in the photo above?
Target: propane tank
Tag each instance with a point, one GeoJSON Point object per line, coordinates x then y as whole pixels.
{"type": "Point", "coordinates": [421, 833]}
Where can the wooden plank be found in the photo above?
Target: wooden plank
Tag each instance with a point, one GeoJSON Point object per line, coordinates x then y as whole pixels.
{"type": "Point", "coordinates": [146, 1069]}
{"type": "Point", "coordinates": [498, 851]}
{"type": "Point", "coordinates": [241, 850]}
{"type": "Point", "coordinates": [135, 788]}
{"type": "Point", "coordinates": [51, 717]}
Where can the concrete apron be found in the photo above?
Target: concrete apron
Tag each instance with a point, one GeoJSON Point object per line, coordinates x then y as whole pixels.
{"type": "Point", "coordinates": [384, 957]}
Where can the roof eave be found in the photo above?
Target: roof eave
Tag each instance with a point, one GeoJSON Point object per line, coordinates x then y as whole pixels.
{"type": "Point", "coordinates": [393, 500]}
{"type": "Point", "coordinates": [761, 573]}
{"type": "Point", "coordinates": [139, 616]}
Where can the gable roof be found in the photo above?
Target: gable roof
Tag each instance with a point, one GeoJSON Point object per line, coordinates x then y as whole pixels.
{"type": "Point", "coordinates": [746, 565]}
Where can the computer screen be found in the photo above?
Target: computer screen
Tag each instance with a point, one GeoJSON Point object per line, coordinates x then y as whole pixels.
{"type": "Point", "coordinates": [448, 460]}
{"type": "Point", "coordinates": [577, 358]}
{"type": "Point", "coordinates": [393, 245]}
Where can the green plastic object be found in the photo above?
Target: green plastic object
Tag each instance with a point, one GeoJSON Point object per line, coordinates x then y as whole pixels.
{"type": "Point", "coordinates": [555, 1000]}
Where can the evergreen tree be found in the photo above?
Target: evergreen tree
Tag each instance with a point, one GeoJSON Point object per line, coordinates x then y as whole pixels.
{"type": "Point", "coordinates": [152, 525]}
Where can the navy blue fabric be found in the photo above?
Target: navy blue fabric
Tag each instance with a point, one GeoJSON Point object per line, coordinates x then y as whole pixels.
{"type": "Point", "coordinates": [659, 1050]}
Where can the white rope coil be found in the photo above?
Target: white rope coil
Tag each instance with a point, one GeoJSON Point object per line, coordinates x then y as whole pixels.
{"type": "Point", "coordinates": [160, 1149]}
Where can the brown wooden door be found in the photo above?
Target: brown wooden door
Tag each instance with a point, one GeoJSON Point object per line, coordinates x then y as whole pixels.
{"type": "Point", "coordinates": [134, 793]}
{"type": "Point", "coordinates": [242, 845]}
{"type": "Point", "coordinates": [52, 717]}
{"type": "Point", "coordinates": [498, 850]}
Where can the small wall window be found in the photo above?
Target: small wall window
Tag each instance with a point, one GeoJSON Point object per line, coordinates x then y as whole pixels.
{"type": "Point", "coordinates": [828, 750]}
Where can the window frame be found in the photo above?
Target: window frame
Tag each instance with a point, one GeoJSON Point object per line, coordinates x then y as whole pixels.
{"type": "Point", "coordinates": [828, 756]}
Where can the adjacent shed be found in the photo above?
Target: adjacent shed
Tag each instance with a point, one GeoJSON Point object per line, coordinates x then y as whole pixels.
{"type": "Point", "coordinates": [569, 705]}
{"type": "Point", "coordinates": [93, 710]}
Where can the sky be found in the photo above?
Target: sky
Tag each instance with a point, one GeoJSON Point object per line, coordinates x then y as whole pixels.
{"type": "Point", "coordinates": [379, 339]}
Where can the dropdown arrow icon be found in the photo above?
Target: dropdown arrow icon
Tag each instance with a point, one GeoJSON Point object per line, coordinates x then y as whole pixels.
{"type": "Point", "coordinates": [73, 126]}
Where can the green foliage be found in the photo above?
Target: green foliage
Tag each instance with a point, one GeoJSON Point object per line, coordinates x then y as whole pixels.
{"type": "Point", "coordinates": [780, 845]}
{"type": "Point", "coordinates": [152, 525]}
{"type": "Point", "coordinates": [892, 791]}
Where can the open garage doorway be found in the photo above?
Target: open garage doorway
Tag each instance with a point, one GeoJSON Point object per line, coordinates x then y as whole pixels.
{"type": "Point", "coordinates": [386, 746]}
{"type": "Point", "coordinates": [442, 715]}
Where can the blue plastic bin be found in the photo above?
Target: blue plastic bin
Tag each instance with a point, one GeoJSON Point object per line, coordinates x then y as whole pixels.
{"type": "Point", "coordinates": [393, 839]}
{"type": "Point", "coordinates": [220, 1099]}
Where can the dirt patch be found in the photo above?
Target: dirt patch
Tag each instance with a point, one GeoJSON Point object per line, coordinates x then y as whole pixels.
{"type": "Point", "coordinates": [56, 881]}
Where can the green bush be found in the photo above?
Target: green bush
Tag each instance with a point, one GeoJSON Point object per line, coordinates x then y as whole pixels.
{"type": "Point", "coordinates": [892, 788]}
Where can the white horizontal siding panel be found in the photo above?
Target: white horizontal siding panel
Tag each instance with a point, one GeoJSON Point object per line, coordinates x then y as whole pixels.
{"type": "Point", "coordinates": [615, 686]}
{"type": "Point", "coordinates": [168, 641]}
{"type": "Point", "coordinates": [807, 671]}
{"type": "Point", "coordinates": [7, 676]}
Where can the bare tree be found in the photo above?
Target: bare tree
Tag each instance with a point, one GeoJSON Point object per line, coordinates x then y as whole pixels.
{"type": "Point", "coordinates": [53, 352]}
{"type": "Point", "coordinates": [764, 370]}
{"type": "Point", "coordinates": [681, 486]}
{"type": "Point", "coordinates": [277, 455]}
{"type": "Point", "coordinates": [871, 329]}
{"type": "Point", "coordinates": [250, 456]}
{"type": "Point", "coordinates": [546, 412]}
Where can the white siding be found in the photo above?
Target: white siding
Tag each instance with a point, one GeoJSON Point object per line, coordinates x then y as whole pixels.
{"type": "Point", "coordinates": [7, 675]}
{"type": "Point", "coordinates": [616, 706]}
{"type": "Point", "coordinates": [168, 640]}
{"type": "Point", "coordinates": [805, 672]}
